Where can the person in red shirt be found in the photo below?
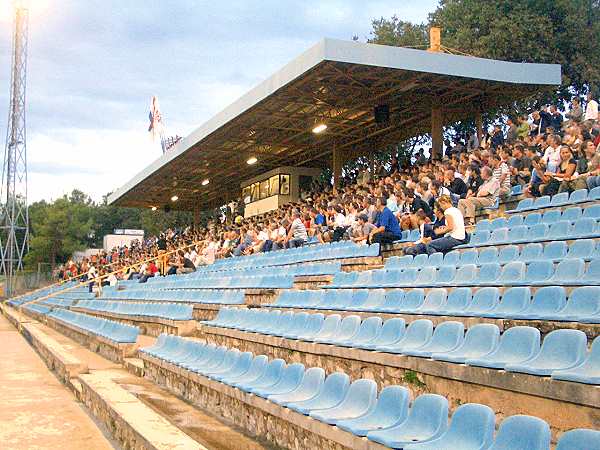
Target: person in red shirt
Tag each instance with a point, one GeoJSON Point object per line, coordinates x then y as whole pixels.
{"type": "Point", "coordinates": [151, 271]}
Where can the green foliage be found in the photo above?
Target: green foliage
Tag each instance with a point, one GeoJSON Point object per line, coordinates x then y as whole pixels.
{"type": "Point", "coordinates": [411, 377]}
{"type": "Point", "coordinates": [74, 222]}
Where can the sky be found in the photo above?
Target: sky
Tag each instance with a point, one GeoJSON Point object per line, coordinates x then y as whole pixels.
{"type": "Point", "coordinates": [94, 65]}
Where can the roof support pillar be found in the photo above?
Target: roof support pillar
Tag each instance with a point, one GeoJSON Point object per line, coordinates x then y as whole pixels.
{"type": "Point", "coordinates": [337, 163]}
{"type": "Point", "coordinates": [436, 132]}
{"type": "Point", "coordinates": [479, 126]}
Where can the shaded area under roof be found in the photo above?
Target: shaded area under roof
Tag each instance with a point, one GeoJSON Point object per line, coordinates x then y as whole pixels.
{"type": "Point", "coordinates": [339, 83]}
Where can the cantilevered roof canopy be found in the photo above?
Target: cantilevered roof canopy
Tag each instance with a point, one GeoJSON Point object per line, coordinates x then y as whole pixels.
{"type": "Point", "coordinates": [338, 83]}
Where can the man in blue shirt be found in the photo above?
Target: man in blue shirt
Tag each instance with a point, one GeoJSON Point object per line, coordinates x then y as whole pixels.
{"type": "Point", "coordinates": [388, 229]}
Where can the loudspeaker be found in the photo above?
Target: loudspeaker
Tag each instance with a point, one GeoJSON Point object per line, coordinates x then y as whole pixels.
{"type": "Point", "coordinates": [382, 113]}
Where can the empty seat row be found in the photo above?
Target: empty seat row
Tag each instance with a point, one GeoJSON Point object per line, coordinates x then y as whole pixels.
{"type": "Point", "coordinates": [388, 417]}
{"type": "Point", "coordinates": [40, 309]}
{"type": "Point", "coordinates": [318, 252]}
{"type": "Point", "coordinates": [557, 200]}
{"type": "Point", "coordinates": [548, 302]}
{"type": "Point", "coordinates": [227, 297]}
{"type": "Point", "coordinates": [556, 251]}
{"type": "Point", "coordinates": [16, 301]}
{"type": "Point", "coordinates": [171, 311]}
{"type": "Point", "coordinates": [327, 268]}
{"type": "Point", "coordinates": [521, 234]}
{"type": "Point", "coordinates": [517, 350]}
{"type": "Point", "coordinates": [571, 214]}
{"type": "Point", "coordinates": [230, 282]}
{"type": "Point", "coordinates": [60, 302]}
{"type": "Point", "coordinates": [568, 272]}
{"type": "Point", "coordinates": [108, 329]}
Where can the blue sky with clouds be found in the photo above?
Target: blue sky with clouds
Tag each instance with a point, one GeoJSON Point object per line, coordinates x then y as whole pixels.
{"type": "Point", "coordinates": [94, 64]}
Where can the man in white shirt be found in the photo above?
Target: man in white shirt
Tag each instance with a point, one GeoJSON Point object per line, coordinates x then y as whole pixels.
{"type": "Point", "coordinates": [486, 196]}
{"type": "Point", "coordinates": [591, 110]}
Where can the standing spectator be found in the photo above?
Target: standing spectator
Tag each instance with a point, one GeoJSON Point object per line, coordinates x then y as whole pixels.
{"type": "Point", "coordinates": [591, 111]}
{"type": "Point", "coordinates": [501, 173]}
{"type": "Point", "coordinates": [556, 121]}
{"type": "Point", "coordinates": [497, 137]}
{"type": "Point", "coordinates": [486, 196]}
{"type": "Point", "coordinates": [576, 113]}
{"type": "Point", "coordinates": [523, 128]}
{"type": "Point", "coordinates": [512, 133]}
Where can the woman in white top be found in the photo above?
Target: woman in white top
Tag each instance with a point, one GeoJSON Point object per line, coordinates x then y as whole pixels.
{"type": "Point", "coordinates": [454, 230]}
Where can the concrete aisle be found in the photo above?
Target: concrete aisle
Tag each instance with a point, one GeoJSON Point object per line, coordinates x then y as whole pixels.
{"type": "Point", "coordinates": [37, 411]}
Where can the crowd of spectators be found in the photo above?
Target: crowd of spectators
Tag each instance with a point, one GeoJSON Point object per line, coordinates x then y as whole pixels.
{"type": "Point", "coordinates": [545, 152]}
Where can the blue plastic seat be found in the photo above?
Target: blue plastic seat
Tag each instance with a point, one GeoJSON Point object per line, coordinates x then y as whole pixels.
{"type": "Point", "coordinates": [374, 299]}
{"type": "Point", "coordinates": [515, 300]}
{"type": "Point", "coordinates": [341, 331]}
{"type": "Point", "coordinates": [568, 271]}
{"type": "Point", "coordinates": [547, 301]}
{"type": "Point", "coordinates": [270, 376]}
{"type": "Point", "coordinates": [434, 301]}
{"type": "Point", "coordinates": [497, 223]}
{"type": "Point", "coordinates": [592, 212]}
{"type": "Point", "coordinates": [522, 432]}
{"type": "Point", "coordinates": [451, 258]}
{"type": "Point", "coordinates": [498, 236]}
{"type": "Point", "coordinates": [581, 195]}
{"type": "Point", "coordinates": [471, 428]}
{"type": "Point", "coordinates": [426, 277]}
{"type": "Point", "coordinates": [290, 380]}
{"type": "Point", "coordinates": [592, 274]}
{"type": "Point", "coordinates": [445, 275]}
{"type": "Point", "coordinates": [309, 387]}
{"type": "Point", "coordinates": [313, 325]}
{"type": "Point", "coordinates": [417, 334]}
{"type": "Point", "coordinates": [517, 189]}
{"type": "Point", "coordinates": [483, 225]}
{"type": "Point", "coordinates": [391, 409]}
{"type": "Point", "coordinates": [480, 340]}
{"type": "Point", "coordinates": [367, 331]}
{"type": "Point", "coordinates": [465, 275]}
{"type": "Point", "coordinates": [480, 238]}
{"type": "Point", "coordinates": [532, 219]}
{"type": "Point", "coordinates": [531, 252]}
{"type": "Point", "coordinates": [585, 228]}
{"type": "Point", "coordinates": [561, 349]}
{"type": "Point", "coordinates": [486, 255]}
{"type": "Point", "coordinates": [559, 230]}
{"type": "Point", "coordinates": [581, 248]}
{"type": "Point", "coordinates": [488, 273]}
{"type": "Point", "coordinates": [484, 300]}
{"type": "Point", "coordinates": [583, 306]}
{"type": "Point", "coordinates": [333, 392]}
{"type": "Point", "coordinates": [517, 344]}
{"type": "Point", "coordinates": [579, 439]}
{"type": "Point", "coordinates": [412, 301]}
{"type": "Point", "coordinates": [446, 337]}
{"type": "Point", "coordinates": [392, 301]}
{"type": "Point", "coordinates": [523, 205]}
{"type": "Point", "coordinates": [541, 202]}
{"type": "Point", "coordinates": [469, 256]}
{"type": "Point", "coordinates": [560, 199]}
{"type": "Point", "coordinates": [587, 372]}
{"type": "Point", "coordinates": [391, 332]}
{"type": "Point", "coordinates": [512, 273]}
{"type": "Point", "coordinates": [359, 400]}
{"type": "Point", "coordinates": [508, 253]}
{"type": "Point", "coordinates": [572, 214]}
{"type": "Point", "coordinates": [241, 366]}
{"type": "Point", "coordinates": [257, 369]}
{"type": "Point", "coordinates": [427, 420]}
{"type": "Point", "coordinates": [399, 262]}
{"type": "Point", "coordinates": [539, 272]}
{"type": "Point", "coordinates": [538, 232]}
{"type": "Point", "coordinates": [515, 220]}
{"type": "Point", "coordinates": [435, 260]}
{"type": "Point", "coordinates": [555, 251]}
{"type": "Point", "coordinates": [457, 301]}
{"type": "Point", "coordinates": [518, 234]}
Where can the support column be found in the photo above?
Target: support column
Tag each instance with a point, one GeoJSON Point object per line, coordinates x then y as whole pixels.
{"type": "Point", "coordinates": [479, 126]}
{"type": "Point", "coordinates": [196, 217]}
{"type": "Point", "coordinates": [337, 164]}
{"type": "Point", "coordinates": [436, 133]}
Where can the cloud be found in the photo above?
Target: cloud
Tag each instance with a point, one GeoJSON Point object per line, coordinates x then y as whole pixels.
{"type": "Point", "coordinates": [94, 65]}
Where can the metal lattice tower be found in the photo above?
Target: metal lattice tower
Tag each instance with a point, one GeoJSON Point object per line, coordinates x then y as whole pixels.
{"type": "Point", "coordinates": [14, 215]}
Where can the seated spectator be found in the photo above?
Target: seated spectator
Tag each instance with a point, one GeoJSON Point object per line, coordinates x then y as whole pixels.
{"type": "Point", "coordinates": [592, 177]}
{"type": "Point", "coordinates": [387, 228]}
{"type": "Point", "coordinates": [576, 113]}
{"type": "Point", "coordinates": [501, 173]}
{"type": "Point", "coordinates": [486, 196]}
{"type": "Point", "coordinates": [539, 177]}
{"type": "Point", "coordinates": [151, 271]}
{"type": "Point", "coordinates": [184, 265]}
{"type": "Point", "coordinates": [564, 173]}
{"type": "Point", "coordinates": [456, 186]}
{"type": "Point", "coordinates": [453, 233]}
{"type": "Point", "coordinates": [361, 232]}
{"type": "Point", "coordinates": [297, 235]}
{"type": "Point", "coordinates": [520, 167]}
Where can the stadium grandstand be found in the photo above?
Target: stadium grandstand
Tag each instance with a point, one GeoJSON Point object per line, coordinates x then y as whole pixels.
{"type": "Point", "coordinates": [451, 302]}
